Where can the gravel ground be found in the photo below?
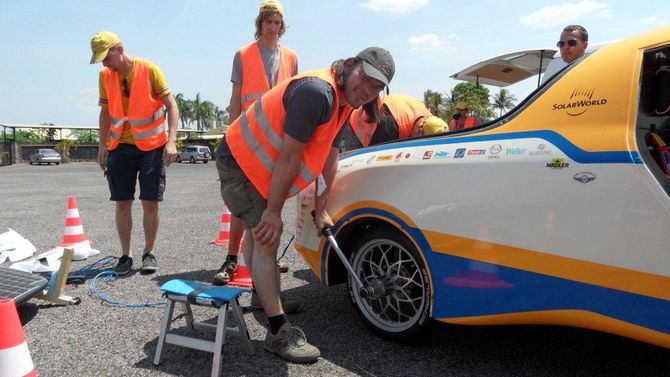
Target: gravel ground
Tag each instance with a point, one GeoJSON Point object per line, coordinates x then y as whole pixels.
{"type": "Point", "coordinates": [92, 339]}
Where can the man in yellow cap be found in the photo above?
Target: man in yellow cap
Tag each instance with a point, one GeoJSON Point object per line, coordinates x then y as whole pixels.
{"type": "Point", "coordinates": [134, 101]}
{"type": "Point", "coordinates": [461, 119]}
{"type": "Point", "coordinates": [402, 117]}
{"type": "Point", "coordinates": [257, 67]}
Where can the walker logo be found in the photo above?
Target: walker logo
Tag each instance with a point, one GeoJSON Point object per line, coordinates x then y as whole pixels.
{"type": "Point", "coordinates": [558, 163]}
{"type": "Point", "coordinates": [460, 152]}
{"type": "Point", "coordinates": [515, 151]}
{"type": "Point", "coordinates": [584, 177]}
{"type": "Point", "coordinates": [427, 155]}
{"type": "Point", "coordinates": [580, 102]}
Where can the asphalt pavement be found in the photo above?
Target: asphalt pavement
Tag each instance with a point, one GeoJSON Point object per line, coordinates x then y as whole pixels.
{"type": "Point", "coordinates": [94, 339]}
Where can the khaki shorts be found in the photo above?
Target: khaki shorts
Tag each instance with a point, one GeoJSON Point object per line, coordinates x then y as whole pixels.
{"type": "Point", "coordinates": [240, 195]}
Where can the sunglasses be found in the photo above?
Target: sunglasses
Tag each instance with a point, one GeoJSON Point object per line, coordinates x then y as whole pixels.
{"type": "Point", "coordinates": [570, 42]}
{"type": "Point", "coordinates": [124, 87]}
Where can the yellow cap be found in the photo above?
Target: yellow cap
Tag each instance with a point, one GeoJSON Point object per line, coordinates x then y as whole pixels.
{"type": "Point", "coordinates": [101, 43]}
{"type": "Point", "coordinates": [434, 125]}
{"type": "Point", "coordinates": [272, 6]}
{"type": "Point", "coordinates": [462, 106]}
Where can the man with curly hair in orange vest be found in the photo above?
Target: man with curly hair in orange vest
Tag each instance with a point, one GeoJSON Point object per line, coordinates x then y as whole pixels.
{"type": "Point", "coordinates": [134, 143]}
{"type": "Point", "coordinates": [281, 144]}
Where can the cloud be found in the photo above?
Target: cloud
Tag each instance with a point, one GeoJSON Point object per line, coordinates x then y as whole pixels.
{"type": "Point", "coordinates": [429, 41]}
{"type": "Point", "coordinates": [566, 13]}
{"type": "Point", "coordinates": [395, 7]}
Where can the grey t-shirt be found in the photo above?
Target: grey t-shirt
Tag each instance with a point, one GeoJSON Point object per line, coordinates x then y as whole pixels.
{"type": "Point", "coordinates": [270, 58]}
{"type": "Point", "coordinates": [309, 104]}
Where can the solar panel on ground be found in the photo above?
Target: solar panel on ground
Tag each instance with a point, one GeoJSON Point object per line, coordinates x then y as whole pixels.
{"type": "Point", "coordinates": [20, 285]}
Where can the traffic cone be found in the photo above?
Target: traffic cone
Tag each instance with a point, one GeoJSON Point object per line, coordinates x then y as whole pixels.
{"type": "Point", "coordinates": [74, 231]}
{"type": "Point", "coordinates": [241, 277]}
{"type": "Point", "coordinates": [15, 358]}
{"type": "Point", "coordinates": [224, 232]}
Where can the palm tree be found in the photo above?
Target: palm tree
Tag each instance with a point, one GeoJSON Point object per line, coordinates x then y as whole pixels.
{"type": "Point", "coordinates": [434, 101]}
{"type": "Point", "coordinates": [503, 100]}
{"type": "Point", "coordinates": [203, 113]}
{"type": "Point", "coordinates": [185, 110]}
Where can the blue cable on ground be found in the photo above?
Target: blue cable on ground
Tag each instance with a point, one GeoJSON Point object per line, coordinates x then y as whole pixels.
{"type": "Point", "coordinates": [110, 277]}
{"type": "Point", "coordinates": [89, 271]}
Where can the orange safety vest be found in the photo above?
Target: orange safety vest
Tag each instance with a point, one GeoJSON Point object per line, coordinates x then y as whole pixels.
{"type": "Point", "coordinates": [146, 114]}
{"type": "Point", "coordinates": [256, 137]}
{"type": "Point", "coordinates": [469, 123]}
{"type": "Point", "coordinates": [404, 109]}
{"type": "Point", "coordinates": [254, 80]}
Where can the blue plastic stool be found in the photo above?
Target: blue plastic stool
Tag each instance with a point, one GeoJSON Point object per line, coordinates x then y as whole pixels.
{"type": "Point", "coordinates": [193, 293]}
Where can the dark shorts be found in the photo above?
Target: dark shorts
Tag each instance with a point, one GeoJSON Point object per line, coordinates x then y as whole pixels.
{"type": "Point", "coordinates": [240, 195]}
{"type": "Point", "coordinates": [126, 163]}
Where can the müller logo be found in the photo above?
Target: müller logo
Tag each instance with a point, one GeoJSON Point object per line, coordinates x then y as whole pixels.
{"type": "Point", "coordinates": [580, 101]}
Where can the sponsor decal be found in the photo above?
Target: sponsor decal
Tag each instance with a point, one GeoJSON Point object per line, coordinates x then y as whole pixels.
{"type": "Point", "coordinates": [386, 157]}
{"type": "Point", "coordinates": [515, 151]}
{"type": "Point", "coordinates": [558, 163]}
{"type": "Point", "coordinates": [370, 160]}
{"type": "Point", "coordinates": [581, 100]}
{"type": "Point", "coordinates": [427, 155]}
{"type": "Point", "coordinates": [408, 155]}
{"type": "Point", "coordinates": [476, 152]}
{"type": "Point", "coordinates": [495, 149]}
{"type": "Point", "coordinates": [441, 154]}
{"type": "Point", "coordinates": [460, 152]}
{"type": "Point", "coordinates": [540, 151]}
{"type": "Point", "coordinates": [584, 177]}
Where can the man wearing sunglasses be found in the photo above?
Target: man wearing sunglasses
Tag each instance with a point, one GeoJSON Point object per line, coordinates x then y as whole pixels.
{"type": "Point", "coordinates": [134, 101]}
{"type": "Point", "coordinates": [573, 43]}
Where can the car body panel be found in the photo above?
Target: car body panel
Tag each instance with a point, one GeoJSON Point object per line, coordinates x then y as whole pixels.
{"type": "Point", "coordinates": [549, 215]}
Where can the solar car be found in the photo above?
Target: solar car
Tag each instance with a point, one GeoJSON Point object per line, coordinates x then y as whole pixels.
{"type": "Point", "coordinates": [556, 213]}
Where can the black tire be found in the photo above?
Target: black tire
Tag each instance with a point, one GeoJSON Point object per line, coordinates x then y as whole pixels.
{"type": "Point", "coordinates": [205, 161]}
{"type": "Point", "coordinates": [178, 159]}
{"type": "Point", "coordinates": [192, 160]}
{"type": "Point", "coordinates": [402, 313]}
{"type": "Point", "coordinates": [57, 163]}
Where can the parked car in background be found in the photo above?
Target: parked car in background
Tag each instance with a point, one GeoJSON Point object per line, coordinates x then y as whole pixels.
{"type": "Point", "coordinates": [194, 154]}
{"type": "Point", "coordinates": [555, 213]}
{"type": "Point", "coordinates": [45, 156]}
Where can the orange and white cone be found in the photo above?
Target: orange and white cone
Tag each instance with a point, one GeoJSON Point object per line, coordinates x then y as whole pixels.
{"type": "Point", "coordinates": [15, 360]}
{"type": "Point", "coordinates": [224, 232]}
{"type": "Point", "coordinates": [74, 231]}
{"type": "Point", "coordinates": [241, 277]}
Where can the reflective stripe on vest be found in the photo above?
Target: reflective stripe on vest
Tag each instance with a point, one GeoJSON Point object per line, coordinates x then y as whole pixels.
{"type": "Point", "coordinates": [254, 79]}
{"type": "Point", "coordinates": [146, 114]}
{"type": "Point", "coordinates": [362, 129]}
{"type": "Point", "coordinates": [256, 138]}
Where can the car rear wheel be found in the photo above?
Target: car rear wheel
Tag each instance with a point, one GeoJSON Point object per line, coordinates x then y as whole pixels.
{"type": "Point", "coordinates": [386, 258]}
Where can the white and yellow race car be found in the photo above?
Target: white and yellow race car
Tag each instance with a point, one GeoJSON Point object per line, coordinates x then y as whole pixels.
{"type": "Point", "coordinates": [556, 213]}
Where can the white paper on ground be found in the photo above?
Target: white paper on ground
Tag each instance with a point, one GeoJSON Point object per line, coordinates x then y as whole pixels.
{"type": "Point", "coordinates": [14, 247]}
{"type": "Point", "coordinates": [34, 265]}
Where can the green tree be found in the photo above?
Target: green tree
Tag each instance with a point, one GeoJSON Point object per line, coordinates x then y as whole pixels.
{"type": "Point", "coordinates": [86, 136]}
{"type": "Point", "coordinates": [203, 113]}
{"type": "Point", "coordinates": [503, 100]}
{"type": "Point", "coordinates": [64, 146]}
{"type": "Point", "coordinates": [477, 97]}
{"type": "Point", "coordinates": [23, 136]}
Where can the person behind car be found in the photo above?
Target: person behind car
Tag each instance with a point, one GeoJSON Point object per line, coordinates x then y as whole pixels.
{"type": "Point", "coordinates": [462, 120]}
{"type": "Point", "coordinates": [295, 126]}
{"type": "Point", "coordinates": [257, 67]}
{"type": "Point", "coordinates": [573, 43]}
{"type": "Point", "coordinates": [133, 140]}
{"type": "Point", "coordinates": [402, 117]}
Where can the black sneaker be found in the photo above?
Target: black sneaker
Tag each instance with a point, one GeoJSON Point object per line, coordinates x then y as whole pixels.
{"type": "Point", "coordinates": [224, 274]}
{"type": "Point", "coordinates": [124, 265]}
{"type": "Point", "coordinates": [149, 263]}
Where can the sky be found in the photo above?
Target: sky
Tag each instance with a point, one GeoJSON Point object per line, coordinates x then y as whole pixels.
{"type": "Point", "coordinates": [45, 75]}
